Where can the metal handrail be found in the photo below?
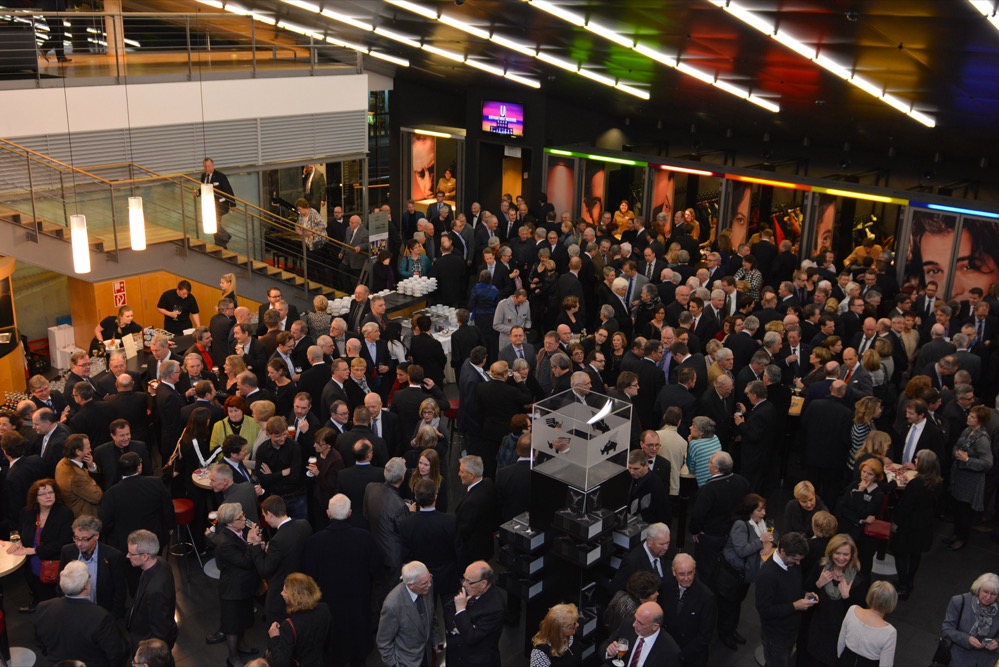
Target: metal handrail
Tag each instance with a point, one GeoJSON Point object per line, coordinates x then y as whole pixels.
{"type": "Point", "coordinates": [41, 157]}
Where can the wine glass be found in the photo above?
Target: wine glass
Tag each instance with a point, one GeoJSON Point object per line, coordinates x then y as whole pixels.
{"type": "Point", "coordinates": [770, 525]}
{"type": "Point", "coordinates": [622, 650]}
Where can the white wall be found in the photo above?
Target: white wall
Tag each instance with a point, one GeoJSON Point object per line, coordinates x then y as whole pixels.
{"type": "Point", "coordinates": [95, 108]}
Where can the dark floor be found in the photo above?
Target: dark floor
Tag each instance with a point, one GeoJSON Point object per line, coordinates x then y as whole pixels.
{"type": "Point", "coordinates": [942, 574]}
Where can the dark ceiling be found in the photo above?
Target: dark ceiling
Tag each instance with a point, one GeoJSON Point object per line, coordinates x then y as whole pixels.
{"type": "Point", "coordinates": [942, 55]}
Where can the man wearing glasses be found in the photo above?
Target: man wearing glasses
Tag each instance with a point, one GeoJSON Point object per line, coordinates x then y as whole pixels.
{"type": "Point", "coordinates": [105, 564]}
{"type": "Point", "coordinates": [405, 638]}
{"type": "Point", "coordinates": [478, 619]}
{"type": "Point", "coordinates": [74, 628]}
{"type": "Point", "coordinates": [155, 602]}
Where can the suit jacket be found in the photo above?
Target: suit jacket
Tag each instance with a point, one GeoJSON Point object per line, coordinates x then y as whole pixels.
{"type": "Point", "coordinates": [504, 400]}
{"type": "Point", "coordinates": [638, 560]}
{"type": "Point", "coordinates": [352, 482]}
{"type": "Point", "coordinates": [220, 326]}
{"type": "Point", "coordinates": [238, 578]}
{"type": "Point", "coordinates": [463, 340]}
{"type": "Point", "coordinates": [431, 537]}
{"type": "Point", "coordinates": [381, 382]}
{"type": "Point", "coordinates": [479, 629]}
{"type": "Point", "coordinates": [20, 476]}
{"type": "Point", "coordinates": [57, 400]}
{"type": "Point", "coordinates": [355, 238]}
{"type": "Point", "coordinates": [154, 605]}
{"type": "Point", "coordinates": [312, 381]}
{"type": "Point", "coordinates": [861, 383]}
{"type": "Point", "coordinates": [136, 502]}
{"type": "Point", "coordinates": [283, 556]}
{"type": "Point", "coordinates": [720, 410]}
{"type": "Point", "coordinates": [106, 457]}
{"type": "Point", "coordinates": [331, 392]}
{"type": "Point", "coordinates": [696, 362]}
{"type": "Point", "coordinates": [56, 533]}
{"type": "Point", "coordinates": [428, 352]}
{"type": "Point", "coordinates": [168, 406]}
{"type": "Point", "coordinates": [385, 511]}
{"type": "Point", "coordinates": [92, 420]}
{"type": "Point", "coordinates": [476, 516]}
{"type": "Point", "coordinates": [931, 438]}
{"type": "Point", "coordinates": [691, 625]}
{"type": "Point", "coordinates": [110, 576]}
{"type": "Point", "coordinates": [449, 270]}
{"type": "Point", "coordinates": [664, 652]}
{"type": "Point", "coordinates": [569, 285]}
{"type": "Point", "coordinates": [79, 490]}
{"type": "Point", "coordinates": [508, 354]}
{"type": "Point", "coordinates": [53, 449]}
{"type": "Point", "coordinates": [292, 316]}
{"type": "Point", "coordinates": [469, 413]}
{"type": "Point", "coordinates": [406, 406]}
{"type": "Point", "coordinates": [133, 407]}
{"type": "Point", "coordinates": [216, 413]}
{"type": "Point", "coordinates": [743, 346]}
{"type": "Point", "coordinates": [405, 636]}
{"type": "Point", "coordinates": [151, 367]}
{"type": "Point", "coordinates": [651, 382]}
{"type": "Point", "coordinates": [77, 629]}
{"type": "Point", "coordinates": [513, 490]}
{"type": "Point", "coordinates": [679, 396]}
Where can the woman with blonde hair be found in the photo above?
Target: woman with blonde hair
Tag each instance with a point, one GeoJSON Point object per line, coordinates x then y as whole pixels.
{"type": "Point", "coordinates": [865, 412]}
{"type": "Point", "coordinates": [838, 583]}
{"type": "Point", "coordinates": [227, 284]}
{"type": "Point", "coordinates": [865, 638]}
{"type": "Point", "coordinates": [303, 638]}
{"type": "Point", "coordinates": [231, 368]}
{"type": "Point", "coordinates": [319, 320]}
{"type": "Point", "coordinates": [553, 641]}
{"type": "Point", "coordinates": [799, 510]}
{"type": "Point", "coordinates": [262, 411]}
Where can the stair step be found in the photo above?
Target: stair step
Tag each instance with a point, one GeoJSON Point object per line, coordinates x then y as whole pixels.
{"type": "Point", "coordinates": [257, 265]}
{"type": "Point", "coordinates": [230, 256]}
{"type": "Point", "coordinates": [197, 244]}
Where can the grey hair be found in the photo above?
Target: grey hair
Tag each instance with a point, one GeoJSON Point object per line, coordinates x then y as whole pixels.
{"type": "Point", "coordinates": [228, 512]}
{"type": "Point", "coordinates": [771, 338]}
{"type": "Point", "coordinates": [751, 323]}
{"type": "Point", "coordinates": [988, 581]}
{"type": "Point", "coordinates": [521, 365]}
{"type": "Point", "coordinates": [683, 558]}
{"type": "Point", "coordinates": [657, 530]}
{"type": "Point", "coordinates": [473, 464]}
{"type": "Point", "coordinates": [169, 367]}
{"type": "Point", "coordinates": [73, 578]}
{"type": "Point", "coordinates": [88, 523]}
{"type": "Point", "coordinates": [705, 426]}
{"type": "Point", "coordinates": [395, 470]}
{"type": "Point", "coordinates": [722, 461]}
{"type": "Point", "coordinates": [773, 373]}
{"type": "Point", "coordinates": [223, 470]}
{"type": "Point", "coordinates": [145, 542]}
{"type": "Point", "coordinates": [339, 507]}
{"type": "Point", "coordinates": [413, 572]}
{"type": "Point", "coordinates": [723, 353]}
{"type": "Point", "coordinates": [561, 359]}
{"type": "Point", "coordinates": [573, 250]}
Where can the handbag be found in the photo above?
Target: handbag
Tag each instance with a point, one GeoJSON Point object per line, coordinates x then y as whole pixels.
{"type": "Point", "coordinates": [878, 529]}
{"type": "Point", "coordinates": [942, 655]}
{"type": "Point", "coordinates": [269, 657]}
{"type": "Point", "coordinates": [50, 572]}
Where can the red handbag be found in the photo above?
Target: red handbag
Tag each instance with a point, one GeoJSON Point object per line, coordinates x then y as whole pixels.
{"type": "Point", "coordinates": [878, 529]}
{"type": "Point", "coordinates": [50, 572]}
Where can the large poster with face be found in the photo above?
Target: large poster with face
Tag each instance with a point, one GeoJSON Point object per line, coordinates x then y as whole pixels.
{"type": "Point", "coordinates": [561, 183]}
{"type": "Point", "coordinates": [663, 191]}
{"type": "Point", "coordinates": [742, 221]}
{"type": "Point", "coordinates": [824, 223]}
{"type": "Point", "coordinates": [931, 247]}
{"type": "Point", "coordinates": [933, 257]}
{"type": "Point", "coordinates": [594, 191]}
{"type": "Point", "coordinates": [423, 161]}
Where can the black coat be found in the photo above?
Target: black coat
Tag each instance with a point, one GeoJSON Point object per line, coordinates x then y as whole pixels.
{"type": "Point", "coordinates": [352, 482]}
{"type": "Point", "coordinates": [154, 606]}
{"type": "Point", "coordinates": [312, 381]}
{"type": "Point", "coordinates": [432, 538]}
{"type": "Point", "coordinates": [133, 407]}
{"type": "Point", "coordinates": [343, 560]}
{"type": "Point", "coordinates": [692, 626]}
{"type": "Point", "coordinates": [106, 457]}
{"type": "Point", "coordinates": [504, 400]}
{"type": "Point", "coordinates": [93, 420]}
{"type": "Point", "coordinates": [305, 640]}
{"type": "Point", "coordinates": [78, 629]}
{"type": "Point", "coordinates": [238, 579]}
{"type": "Point", "coordinates": [651, 381]}
{"type": "Point", "coordinates": [715, 503]}
{"type": "Point", "coordinates": [427, 351]}
{"type": "Point", "coordinates": [513, 490]}
{"type": "Point", "coordinates": [451, 279]}
{"type": "Point", "coordinates": [759, 437]}
{"type": "Point", "coordinates": [476, 515]}
{"type": "Point", "coordinates": [56, 533]}
{"type": "Point", "coordinates": [133, 503]}
{"type": "Point", "coordinates": [53, 449]}
{"type": "Point", "coordinates": [111, 585]}
{"type": "Point", "coordinates": [479, 629]}
{"type": "Point", "coordinates": [463, 340]}
{"type": "Point", "coordinates": [19, 479]}
{"type": "Point", "coordinates": [826, 434]}
{"type": "Point", "coordinates": [719, 410]}
{"type": "Point", "coordinates": [663, 652]}
{"type": "Point", "coordinates": [914, 518]}
{"type": "Point", "coordinates": [283, 556]}
{"type": "Point", "coordinates": [168, 406]}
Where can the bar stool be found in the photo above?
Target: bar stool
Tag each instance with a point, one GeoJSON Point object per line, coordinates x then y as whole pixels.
{"type": "Point", "coordinates": [183, 513]}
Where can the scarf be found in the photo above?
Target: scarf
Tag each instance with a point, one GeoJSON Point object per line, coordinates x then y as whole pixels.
{"type": "Point", "coordinates": [832, 588]}
{"type": "Point", "coordinates": [984, 616]}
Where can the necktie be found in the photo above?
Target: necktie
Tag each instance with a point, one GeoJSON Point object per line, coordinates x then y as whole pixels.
{"type": "Point", "coordinates": [375, 427]}
{"type": "Point", "coordinates": [638, 652]}
{"type": "Point", "coordinates": [866, 344]}
{"type": "Point", "coordinates": [929, 306]}
{"type": "Point", "coordinates": [421, 608]}
{"type": "Point", "coordinates": [520, 353]}
{"type": "Point", "coordinates": [655, 566]}
{"type": "Point", "coordinates": [648, 271]}
{"type": "Point", "coordinates": [364, 386]}
{"type": "Point", "coordinates": [910, 444]}
{"type": "Point", "coordinates": [631, 284]}
{"type": "Point", "coordinates": [849, 374]}
{"type": "Point", "coordinates": [679, 598]}
{"type": "Point", "coordinates": [980, 330]}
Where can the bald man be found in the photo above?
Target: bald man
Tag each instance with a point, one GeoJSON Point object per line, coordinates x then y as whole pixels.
{"type": "Point", "coordinates": [649, 645]}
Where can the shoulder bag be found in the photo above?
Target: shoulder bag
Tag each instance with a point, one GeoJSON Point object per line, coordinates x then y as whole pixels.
{"type": "Point", "coordinates": [942, 655]}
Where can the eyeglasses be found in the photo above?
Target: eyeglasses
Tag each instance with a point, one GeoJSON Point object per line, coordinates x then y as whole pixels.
{"type": "Point", "coordinates": [83, 540]}
{"type": "Point", "coordinates": [42, 494]}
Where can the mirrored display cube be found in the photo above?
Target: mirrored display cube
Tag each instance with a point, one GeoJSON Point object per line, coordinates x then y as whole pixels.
{"type": "Point", "coordinates": [574, 437]}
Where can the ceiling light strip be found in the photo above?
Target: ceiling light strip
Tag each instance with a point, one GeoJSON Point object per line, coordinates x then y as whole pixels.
{"type": "Point", "coordinates": [629, 43]}
{"type": "Point", "coordinates": [767, 181]}
{"type": "Point", "coordinates": [239, 10]}
{"type": "Point", "coordinates": [861, 195]}
{"type": "Point", "coordinates": [955, 209]}
{"type": "Point", "coordinates": [685, 170]}
{"type": "Point", "coordinates": [875, 90]}
{"type": "Point", "coordinates": [534, 51]}
{"type": "Point", "coordinates": [988, 10]}
{"type": "Point", "coordinates": [599, 158]}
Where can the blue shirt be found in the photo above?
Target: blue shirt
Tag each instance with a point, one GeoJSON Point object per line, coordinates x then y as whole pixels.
{"type": "Point", "coordinates": [699, 453]}
{"type": "Point", "coordinates": [92, 571]}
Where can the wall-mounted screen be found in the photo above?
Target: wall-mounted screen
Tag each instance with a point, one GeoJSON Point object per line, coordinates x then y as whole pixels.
{"type": "Point", "coordinates": [503, 118]}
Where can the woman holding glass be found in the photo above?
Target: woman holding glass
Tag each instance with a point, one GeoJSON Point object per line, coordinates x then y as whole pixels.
{"type": "Point", "coordinates": [750, 541]}
{"type": "Point", "coordinates": [46, 526]}
{"type": "Point", "coordinates": [972, 626]}
{"type": "Point", "coordinates": [238, 580]}
{"type": "Point", "coordinates": [552, 644]}
{"type": "Point", "coordinates": [323, 472]}
{"type": "Point", "coordinates": [865, 412]}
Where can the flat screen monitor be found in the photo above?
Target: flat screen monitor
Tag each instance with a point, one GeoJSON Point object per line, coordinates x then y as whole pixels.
{"type": "Point", "coordinates": [503, 118]}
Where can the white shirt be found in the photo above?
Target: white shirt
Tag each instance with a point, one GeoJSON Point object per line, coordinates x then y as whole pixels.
{"type": "Point", "coordinates": [647, 645]}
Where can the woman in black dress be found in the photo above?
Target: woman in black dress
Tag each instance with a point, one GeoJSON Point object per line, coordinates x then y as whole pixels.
{"type": "Point", "coordinates": [612, 367]}
{"type": "Point", "coordinates": [553, 641]}
{"type": "Point", "coordinates": [838, 582]}
{"type": "Point", "coordinates": [284, 387]}
{"type": "Point", "coordinates": [569, 316]}
{"type": "Point", "coordinates": [46, 527]}
{"type": "Point", "coordinates": [303, 638]}
{"type": "Point", "coordinates": [117, 327]}
{"type": "Point", "coordinates": [238, 580]}
{"type": "Point", "coordinates": [196, 454]}
{"type": "Point", "coordinates": [861, 506]}
{"type": "Point", "coordinates": [913, 520]}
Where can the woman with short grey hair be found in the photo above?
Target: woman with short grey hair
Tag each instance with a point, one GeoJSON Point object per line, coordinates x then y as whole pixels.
{"type": "Point", "coordinates": [238, 579]}
{"type": "Point", "coordinates": [971, 624]}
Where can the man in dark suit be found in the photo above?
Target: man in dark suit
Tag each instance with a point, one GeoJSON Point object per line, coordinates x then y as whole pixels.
{"type": "Point", "coordinates": [689, 611]}
{"type": "Point", "coordinates": [334, 390]}
{"type": "Point", "coordinates": [22, 472]}
{"type": "Point", "coordinates": [219, 326]}
{"type": "Point", "coordinates": [43, 396]}
{"type": "Point", "coordinates": [168, 405]}
{"type": "Point", "coordinates": [513, 483]}
{"type": "Point", "coordinates": [694, 362]}
{"type": "Point", "coordinates": [743, 344]}
{"type": "Point", "coordinates": [204, 397]}
{"type": "Point", "coordinates": [649, 495]}
{"type": "Point", "coordinates": [107, 455]}
{"type": "Point", "coordinates": [51, 438]}
{"type": "Point", "coordinates": [758, 428]}
{"type": "Point", "coordinates": [273, 297]}
{"type": "Point", "coordinates": [384, 425]}
{"type": "Point", "coordinates": [500, 399]}
{"type": "Point", "coordinates": [681, 396]}
{"type": "Point", "coordinates": [132, 406]}
{"type": "Point", "coordinates": [826, 438]}
{"type": "Point", "coordinates": [360, 308]}
{"type": "Point", "coordinates": [765, 252]}
{"type": "Point", "coordinates": [427, 351]}
{"type": "Point", "coordinates": [649, 556]}
{"type": "Point", "coordinates": [651, 267]}
{"type": "Point", "coordinates": [381, 365]}
{"type": "Point", "coordinates": [520, 349]}
{"type": "Point", "coordinates": [154, 604]}
{"type": "Point", "coordinates": [711, 516]}
{"type": "Point", "coordinates": [353, 480]}
{"type": "Point", "coordinates": [110, 564]}
{"type": "Point", "coordinates": [464, 340]}
{"type": "Point", "coordinates": [648, 622]}
{"type": "Point", "coordinates": [476, 511]}
{"type": "Point", "coordinates": [137, 501]}
{"type": "Point", "coordinates": [315, 378]}
{"type": "Point", "coordinates": [922, 433]}
{"type": "Point", "coordinates": [478, 619]}
{"type": "Point", "coordinates": [793, 356]}
{"type": "Point", "coordinates": [283, 554]}
{"type": "Point", "coordinates": [406, 401]}
{"type": "Point", "coordinates": [569, 284]}
{"type": "Point", "coordinates": [718, 404]}
{"type": "Point", "coordinates": [92, 417]}
{"type": "Point", "coordinates": [159, 348]}
{"type": "Point", "coordinates": [449, 269]}
{"type": "Point", "coordinates": [74, 628]}
{"type": "Point", "coordinates": [431, 537]}
{"type": "Point", "coordinates": [651, 382]}
{"type": "Point", "coordinates": [343, 559]}
{"type": "Point", "coordinates": [361, 430]}
{"type": "Point", "coordinates": [253, 351]}
{"type": "Point", "coordinates": [471, 376]}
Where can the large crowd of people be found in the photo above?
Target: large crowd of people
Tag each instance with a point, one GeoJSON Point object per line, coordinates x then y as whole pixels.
{"type": "Point", "coordinates": [329, 444]}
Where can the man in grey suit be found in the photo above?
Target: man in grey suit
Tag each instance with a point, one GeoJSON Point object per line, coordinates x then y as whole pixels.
{"type": "Point", "coordinates": [855, 375]}
{"type": "Point", "coordinates": [513, 311]}
{"type": "Point", "coordinates": [408, 628]}
{"type": "Point", "coordinates": [356, 255]}
{"type": "Point", "coordinates": [517, 348]}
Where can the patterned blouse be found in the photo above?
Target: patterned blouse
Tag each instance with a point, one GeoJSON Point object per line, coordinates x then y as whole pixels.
{"type": "Point", "coordinates": [311, 225]}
